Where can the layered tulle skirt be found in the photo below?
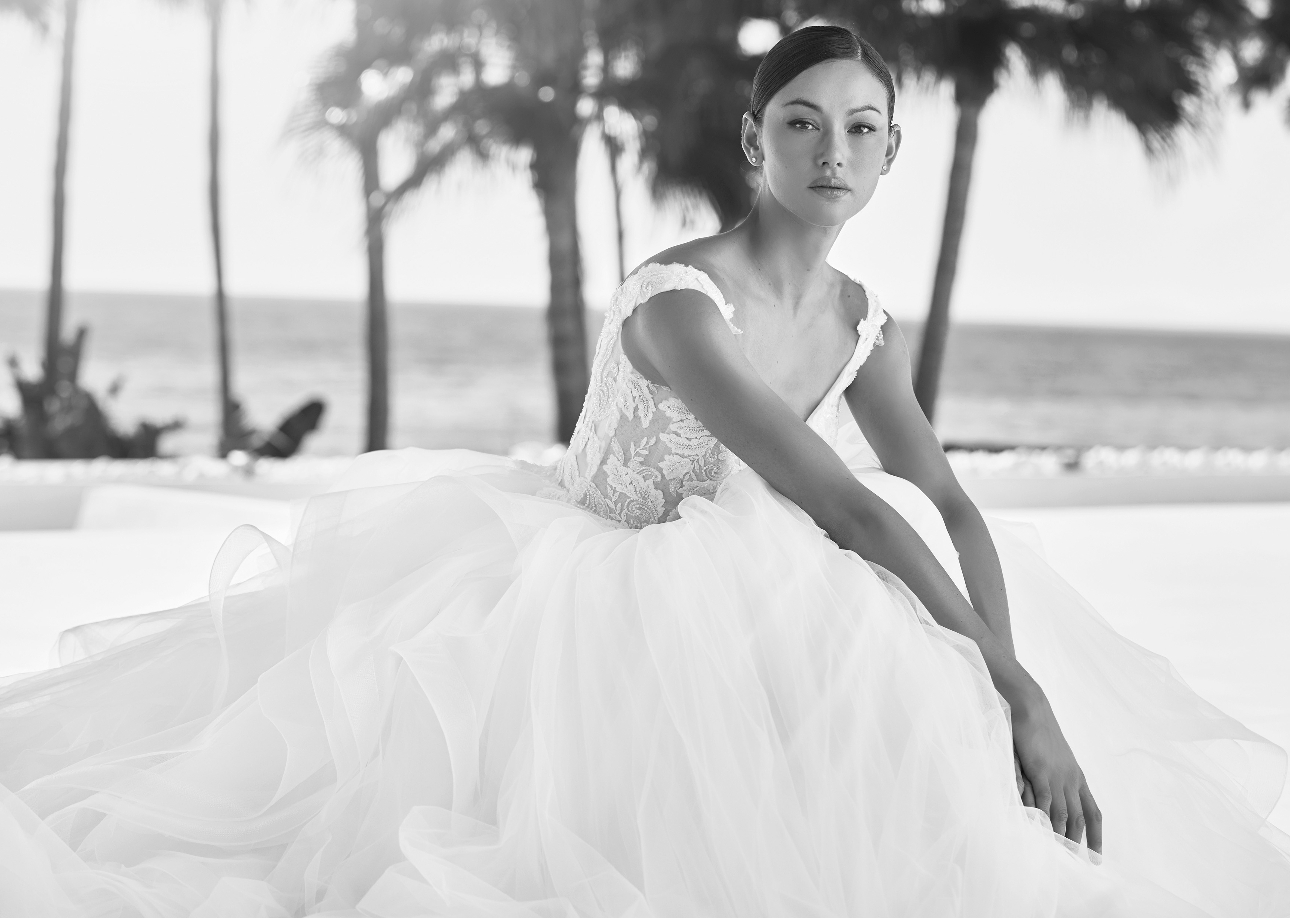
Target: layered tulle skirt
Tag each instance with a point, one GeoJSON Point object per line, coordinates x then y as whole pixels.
{"type": "Point", "coordinates": [453, 695]}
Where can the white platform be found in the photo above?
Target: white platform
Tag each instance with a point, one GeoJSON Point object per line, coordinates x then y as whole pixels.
{"type": "Point", "coordinates": [135, 549]}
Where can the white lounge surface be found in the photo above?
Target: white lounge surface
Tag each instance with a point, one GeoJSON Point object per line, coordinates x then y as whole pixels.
{"type": "Point", "coordinates": [135, 549]}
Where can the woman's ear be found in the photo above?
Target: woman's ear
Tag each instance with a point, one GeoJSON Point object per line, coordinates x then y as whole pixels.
{"type": "Point", "coordinates": [751, 140]}
{"type": "Point", "coordinates": [893, 147]}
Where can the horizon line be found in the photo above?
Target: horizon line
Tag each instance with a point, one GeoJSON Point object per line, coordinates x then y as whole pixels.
{"type": "Point", "coordinates": [1059, 323]}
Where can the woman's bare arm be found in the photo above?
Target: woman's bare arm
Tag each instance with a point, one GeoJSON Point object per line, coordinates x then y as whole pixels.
{"type": "Point", "coordinates": [685, 341]}
{"type": "Point", "coordinates": [883, 403]}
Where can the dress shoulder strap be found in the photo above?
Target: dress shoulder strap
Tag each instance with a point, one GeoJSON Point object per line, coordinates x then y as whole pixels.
{"type": "Point", "coordinates": [655, 278]}
{"type": "Point", "coordinates": [870, 327]}
{"type": "Point", "coordinates": [875, 315]}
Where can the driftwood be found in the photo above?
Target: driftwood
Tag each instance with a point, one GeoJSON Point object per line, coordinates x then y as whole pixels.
{"type": "Point", "coordinates": [285, 439]}
{"type": "Point", "coordinates": [59, 419]}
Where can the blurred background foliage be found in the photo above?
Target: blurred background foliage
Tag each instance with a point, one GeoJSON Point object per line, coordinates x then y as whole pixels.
{"type": "Point", "coordinates": [522, 84]}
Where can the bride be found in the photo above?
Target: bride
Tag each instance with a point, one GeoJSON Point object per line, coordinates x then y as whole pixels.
{"type": "Point", "coordinates": [741, 652]}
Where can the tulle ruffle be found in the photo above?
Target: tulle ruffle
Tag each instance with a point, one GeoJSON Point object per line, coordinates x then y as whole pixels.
{"type": "Point", "coordinates": [451, 695]}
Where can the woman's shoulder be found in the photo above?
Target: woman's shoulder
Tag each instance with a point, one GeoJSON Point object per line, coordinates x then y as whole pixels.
{"type": "Point", "coordinates": [696, 265]}
{"type": "Point", "coordinates": [714, 256]}
{"type": "Point", "coordinates": [857, 300]}
{"type": "Point", "coordinates": [888, 357]}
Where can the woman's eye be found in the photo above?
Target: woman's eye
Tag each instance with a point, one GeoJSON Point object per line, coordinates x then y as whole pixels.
{"type": "Point", "coordinates": [801, 123]}
{"type": "Point", "coordinates": [862, 128]}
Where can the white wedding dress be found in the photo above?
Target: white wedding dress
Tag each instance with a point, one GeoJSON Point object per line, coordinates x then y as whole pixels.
{"type": "Point", "coordinates": [637, 683]}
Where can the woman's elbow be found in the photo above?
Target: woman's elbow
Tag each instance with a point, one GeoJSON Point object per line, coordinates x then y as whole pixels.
{"type": "Point", "coordinates": [955, 506]}
{"type": "Point", "coordinates": [862, 522]}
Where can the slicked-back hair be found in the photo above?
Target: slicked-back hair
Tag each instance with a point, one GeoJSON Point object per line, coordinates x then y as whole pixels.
{"type": "Point", "coordinates": [797, 51]}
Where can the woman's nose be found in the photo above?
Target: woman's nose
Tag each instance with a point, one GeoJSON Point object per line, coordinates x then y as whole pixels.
{"type": "Point", "coordinates": [833, 155]}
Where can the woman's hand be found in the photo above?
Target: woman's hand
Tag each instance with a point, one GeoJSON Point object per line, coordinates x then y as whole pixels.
{"type": "Point", "coordinates": [1058, 784]}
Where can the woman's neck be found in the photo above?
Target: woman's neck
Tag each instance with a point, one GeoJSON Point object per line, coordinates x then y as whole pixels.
{"type": "Point", "coordinates": [786, 254]}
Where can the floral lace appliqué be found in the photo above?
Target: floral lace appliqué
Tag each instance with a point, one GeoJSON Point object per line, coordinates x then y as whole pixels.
{"type": "Point", "coordinates": [698, 462]}
{"type": "Point", "coordinates": [637, 451]}
{"type": "Point", "coordinates": [632, 483]}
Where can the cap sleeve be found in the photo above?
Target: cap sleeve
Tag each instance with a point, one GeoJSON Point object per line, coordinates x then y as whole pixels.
{"type": "Point", "coordinates": [655, 278]}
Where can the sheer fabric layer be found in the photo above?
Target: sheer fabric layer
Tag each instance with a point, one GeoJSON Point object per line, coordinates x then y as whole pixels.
{"type": "Point", "coordinates": [451, 696]}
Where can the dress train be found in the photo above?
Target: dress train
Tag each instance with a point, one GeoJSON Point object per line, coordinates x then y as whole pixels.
{"type": "Point", "coordinates": [451, 695]}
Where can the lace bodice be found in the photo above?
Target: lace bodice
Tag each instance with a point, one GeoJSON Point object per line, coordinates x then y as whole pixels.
{"type": "Point", "coordinates": [637, 451]}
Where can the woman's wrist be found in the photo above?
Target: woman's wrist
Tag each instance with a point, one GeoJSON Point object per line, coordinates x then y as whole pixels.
{"type": "Point", "coordinates": [1011, 680]}
{"type": "Point", "coordinates": [1020, 690]}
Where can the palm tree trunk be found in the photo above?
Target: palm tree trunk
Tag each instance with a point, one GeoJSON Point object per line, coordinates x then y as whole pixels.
{"type": "Point", "coordinates": [378, 334]}
{"type": "Point", "coordinates": [555, 175]}
{"type": "Point", "coordinates": [228, 436]}
{"type": "Point", "coordinates": [54, 304]}
{"type": "Point", "coordinates": [931, 356]}
{"type": "Point", "coordinates": [615, 150]}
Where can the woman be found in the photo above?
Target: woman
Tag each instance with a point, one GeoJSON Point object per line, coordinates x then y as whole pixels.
{"type": "Point", "coordinates": [702, 666]}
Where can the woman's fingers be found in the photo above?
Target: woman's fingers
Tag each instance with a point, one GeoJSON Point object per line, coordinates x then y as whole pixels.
{"type": "Point", "coordinates": [1074, 815]}
{"type": "Point", "coordinates": [1028, 795]}
{"type": "Point", "coordinates": [1093, 818]}
{"type": "Point", "coordinates": [1044, 799]}
{"type": "Point", "coordinates": [1057, 812]}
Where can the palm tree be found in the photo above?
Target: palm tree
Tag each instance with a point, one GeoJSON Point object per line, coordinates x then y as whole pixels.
{"type": "Point", "coordinates": [232, 431]}
{"type": "Point", "coordinates": [678, 70]}
{"type": "Point", "coordinates": [58, 363]}
{"type": "Point", "coordinates": [383, 84]}
{"type": "Point", "coordinates": [675, 87]}
{"type": "Point", "coordinates": [1147, 61]}
{"type": "Point", "coordinates": [61, 360]}
{"type": "Point", "coordinates": [231, 428]}
{"type": "Point", "coordinates": [611, 127]}
{"type": "Point", "coordinates": [536, 105]}
{"type": "Point", "coordinates": [516, 77]}
{"type": "Point", "coordinates": [522, 81]}
{"type": "Point", "coordinates": [37, 13]}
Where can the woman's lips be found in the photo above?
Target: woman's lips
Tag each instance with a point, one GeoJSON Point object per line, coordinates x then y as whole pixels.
{"type": "Point", "coordinates": [831, 192]}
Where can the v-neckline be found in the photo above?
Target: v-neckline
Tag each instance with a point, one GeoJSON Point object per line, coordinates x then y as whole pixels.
{"type": "Point", "coordinates": [830, 394]}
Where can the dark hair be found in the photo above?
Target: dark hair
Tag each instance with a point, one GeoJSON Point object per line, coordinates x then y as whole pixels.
{"type": "Point", "coordinates": [800, 50]}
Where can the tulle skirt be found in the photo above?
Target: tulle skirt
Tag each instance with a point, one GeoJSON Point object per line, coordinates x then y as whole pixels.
{"type": "Point", "coordinates": [452, 695]}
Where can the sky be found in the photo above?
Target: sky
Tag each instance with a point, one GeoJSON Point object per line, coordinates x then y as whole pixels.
{"type": "Point", "coordinates": [1069, 223]}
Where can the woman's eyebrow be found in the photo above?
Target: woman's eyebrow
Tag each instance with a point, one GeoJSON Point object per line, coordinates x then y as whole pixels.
{"type": "Point", "coordinates": [812, 105]}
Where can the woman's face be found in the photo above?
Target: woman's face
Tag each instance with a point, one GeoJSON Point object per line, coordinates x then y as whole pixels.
{"type": "Point", "coordinates": [823, 141]}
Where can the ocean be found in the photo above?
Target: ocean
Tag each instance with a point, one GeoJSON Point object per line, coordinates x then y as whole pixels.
{"type": "Point", "coordinates": [479, 376]}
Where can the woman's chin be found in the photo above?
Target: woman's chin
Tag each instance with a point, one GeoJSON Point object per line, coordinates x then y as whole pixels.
{"type": "Point", "coordinates": [825, 213]}
{"type": "Point", "coordinates": [815, 209]}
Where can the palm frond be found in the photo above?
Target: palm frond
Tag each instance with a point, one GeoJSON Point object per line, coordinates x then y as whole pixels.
{"type": "Point", "coordinates": [1148, 64]}
{"type": "Point", "coordinates": [688, 99]}
{"type": "Point", "coordinates": [34, 11]}
{"type": "Point", "coordinates": [407, 78]}
{"type": "Point", "coordinates": [1263, 53]}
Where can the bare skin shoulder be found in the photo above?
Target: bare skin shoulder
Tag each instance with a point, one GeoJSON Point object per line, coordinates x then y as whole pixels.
{"type": "Point", "coordinates": [797, 352]}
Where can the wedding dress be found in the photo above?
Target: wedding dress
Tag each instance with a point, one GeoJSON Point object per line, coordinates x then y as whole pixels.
{"type": "Point", "coordinates": [638, 682]}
